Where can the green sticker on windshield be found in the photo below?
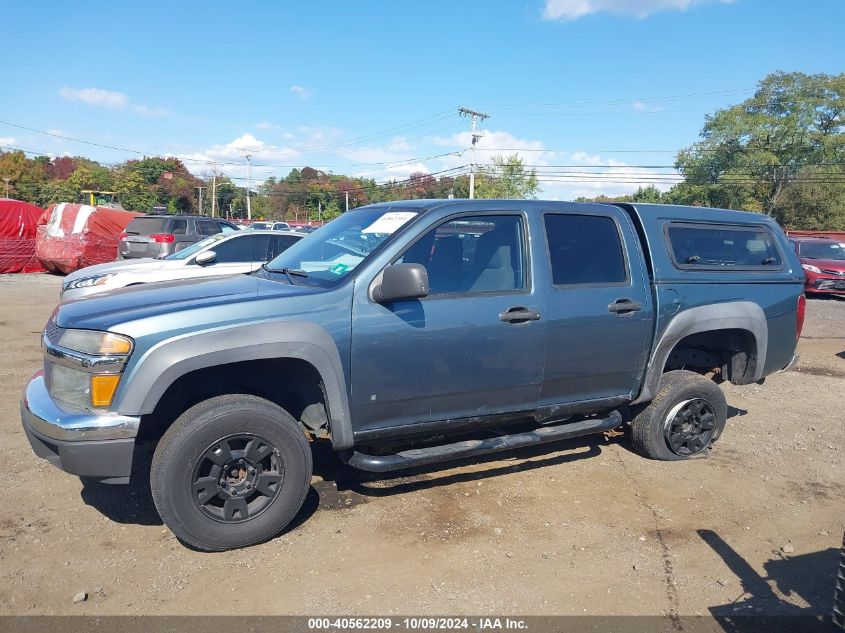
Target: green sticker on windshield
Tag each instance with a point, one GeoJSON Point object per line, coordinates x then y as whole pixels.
{"type": "Point", "coordinates": [338, 269]}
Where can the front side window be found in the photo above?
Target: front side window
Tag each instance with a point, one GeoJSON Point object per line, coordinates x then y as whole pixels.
{"type": "Point", "coordinates": [341, 245]}
{"type": "Point", "coordinates": [242, 249]}
{"type": "Point", "coordinates": [723, 247]}
{"type": "Point", "coordinates": [585, 249]}
{"type": "Point", "coordinates": [472, 254]}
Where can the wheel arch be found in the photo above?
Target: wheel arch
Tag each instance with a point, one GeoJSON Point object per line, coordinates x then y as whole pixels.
{"type": "Point", "coordinates": [160, 367]}
{"type": "Point", "coordinates": [745, 317]}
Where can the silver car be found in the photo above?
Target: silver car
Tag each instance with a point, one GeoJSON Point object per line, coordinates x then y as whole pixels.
{"type": "Point", "coordinates": [221, 254]}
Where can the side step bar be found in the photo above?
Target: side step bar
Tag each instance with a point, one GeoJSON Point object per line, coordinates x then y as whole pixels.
{"type": "Point", "coordinates": [446, 452]}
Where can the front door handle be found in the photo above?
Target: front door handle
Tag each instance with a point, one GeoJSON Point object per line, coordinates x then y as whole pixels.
{"type": "Point", "coordinates": [519, 314]}
{"type": "Point", "coordinates": [624, 306]}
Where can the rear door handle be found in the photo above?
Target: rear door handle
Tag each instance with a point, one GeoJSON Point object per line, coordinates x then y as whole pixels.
{"type": "Point", "coordinates": [624, 306]}
{"type": "Point", "coordinates": [519, 314]}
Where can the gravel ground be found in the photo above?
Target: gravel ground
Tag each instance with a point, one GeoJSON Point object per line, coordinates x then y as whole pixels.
{"type": "Point", "coordinates": [586, 527]}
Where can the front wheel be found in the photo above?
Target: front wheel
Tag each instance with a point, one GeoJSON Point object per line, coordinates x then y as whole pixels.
{"type": "Point", "coordinates": [230, 472]}
{"type": "Point", "coordinates": [686, 416]}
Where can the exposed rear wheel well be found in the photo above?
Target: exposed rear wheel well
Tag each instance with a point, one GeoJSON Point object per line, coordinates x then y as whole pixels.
{"type": "Point", "coordinates": [729, 354]}
{"type": "Point", "coordinates": [291, 383]}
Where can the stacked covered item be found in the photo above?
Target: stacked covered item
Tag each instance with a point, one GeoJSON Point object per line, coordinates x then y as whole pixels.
{"type": "Point", "coordinates": [18, 223]}
{"type": "Point", "coordinates": [73, 236]}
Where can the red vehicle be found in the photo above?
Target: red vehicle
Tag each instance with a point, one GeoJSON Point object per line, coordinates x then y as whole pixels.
{"type": "Point", "coordinates": [823, 261]}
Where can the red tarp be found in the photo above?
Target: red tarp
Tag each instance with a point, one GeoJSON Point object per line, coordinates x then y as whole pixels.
{"type": "Point", "coordinates": [73, 236]}
{"type": "Point", "coordinates": [18, 221]}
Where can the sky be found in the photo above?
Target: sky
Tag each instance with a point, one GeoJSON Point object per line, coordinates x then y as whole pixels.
{"type": "Point", "coordinates": [576, 87]}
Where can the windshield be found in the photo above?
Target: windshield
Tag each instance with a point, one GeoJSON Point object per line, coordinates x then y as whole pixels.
{"type": "Point", "coordinates": [331, 253]}
{"type": "Point", "coordinates": [196, 247]}
{"type": "Point", "coordinates": [822, 250]}
{"type": "Point", "coordinates": [259, 226]}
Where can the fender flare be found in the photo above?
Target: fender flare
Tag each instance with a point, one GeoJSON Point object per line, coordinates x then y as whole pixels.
{"type": "Point", "coordinates": [733, 315]}
{"type": "Point", "coordinates": [149, 378]}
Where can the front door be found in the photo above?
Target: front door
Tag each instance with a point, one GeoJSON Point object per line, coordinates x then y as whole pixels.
{"type": "Point", "coordinates": [472, 348]}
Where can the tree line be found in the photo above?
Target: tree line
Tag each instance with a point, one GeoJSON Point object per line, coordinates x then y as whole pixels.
{"type": "Point", "coordinates": [781, 152]}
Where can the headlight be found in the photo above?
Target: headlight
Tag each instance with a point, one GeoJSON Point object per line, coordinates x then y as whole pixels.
{"type": "Point", "coordinates": [87, 282]}
{"type": "Point", "coordinates": [82, 389]}
{"type": "Point", "coordinates": [96, 343]}
{"type": "Point", "coordinates": [811, 268]}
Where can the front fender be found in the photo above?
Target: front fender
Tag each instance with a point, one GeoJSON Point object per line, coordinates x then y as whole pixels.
{"type": "Point", "coordinates": [150, 377]}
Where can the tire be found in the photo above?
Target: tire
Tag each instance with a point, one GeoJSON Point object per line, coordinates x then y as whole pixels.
{"type": "Point", "coordinates": [230, 472]}
{"type": "Point", "coordinates": [689, 410]}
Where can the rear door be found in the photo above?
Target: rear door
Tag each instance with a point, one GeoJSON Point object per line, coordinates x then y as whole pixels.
{"type": "Point", "coordinates": [599, 310]}
{"type": "Point", "coordinates": [279, 244]}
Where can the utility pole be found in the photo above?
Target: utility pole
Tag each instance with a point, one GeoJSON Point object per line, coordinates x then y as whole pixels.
{"type": "Point", "coordinates": [474, 116]}
{"type": "Point", "coordinates": [213, 190]}
{"type": "Point", "coordinates": [199, 189]}
{"type": "Point", "coordinates": [319, 211]}
{"type": "Point", "coordinates": [248, 186]}
{"type": "Point", "coordinates": [347, 200]}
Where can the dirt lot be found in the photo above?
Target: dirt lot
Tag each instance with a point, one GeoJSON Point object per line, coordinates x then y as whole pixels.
{"type": "Point", "coordinates": [585, 527]}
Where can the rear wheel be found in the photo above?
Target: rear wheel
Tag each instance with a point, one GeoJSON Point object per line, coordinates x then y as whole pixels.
{"type": "Point", "coordinates": [232, 471]}
{"type": "Point", "coordinates": [686, 416]}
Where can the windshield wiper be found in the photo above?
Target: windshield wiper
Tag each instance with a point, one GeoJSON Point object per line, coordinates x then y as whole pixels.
{"type": "Point", "coordinates": [290, 273]}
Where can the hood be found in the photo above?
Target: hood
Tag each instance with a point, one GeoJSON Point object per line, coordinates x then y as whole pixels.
{"type": "Point", "coordinates": [827, 264]}
{"type": "Point", "coordinates": [126, 265]}
{"type": "Point", "coordinates": [105, 310]}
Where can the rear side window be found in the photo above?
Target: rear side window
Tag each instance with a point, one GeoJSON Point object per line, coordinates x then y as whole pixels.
{"type": "Point", "coordinates": [146, 226]}
{"type": "Point", "coordinates": [179, 227]}
{"type": "Point", "coordinates": [585, 249]}
{"type": "Point", "coordinates": [280, 243]}
{"type": "Point", "coordinates": [723, 247]}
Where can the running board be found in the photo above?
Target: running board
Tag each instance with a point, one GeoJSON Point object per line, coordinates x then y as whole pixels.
{"type": "Point", "coordinates": [414, 457]}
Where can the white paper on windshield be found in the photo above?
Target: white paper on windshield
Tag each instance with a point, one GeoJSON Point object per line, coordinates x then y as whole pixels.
{"type": "Point", "coordinates": [389, 222]}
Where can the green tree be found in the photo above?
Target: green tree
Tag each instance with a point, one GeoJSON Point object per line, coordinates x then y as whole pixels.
{"type": "Point", "coordinates": [814, 200]}
{"type": "Point", "coordinates": [751, 153]}
{"type": "Point", "coordinates": [507, 178]}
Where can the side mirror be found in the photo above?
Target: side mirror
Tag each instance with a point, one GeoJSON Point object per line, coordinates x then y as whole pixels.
{"type": "Point", "coordinates": [205, 258]}
{"type": "Point", "coordinates": [400, 282]}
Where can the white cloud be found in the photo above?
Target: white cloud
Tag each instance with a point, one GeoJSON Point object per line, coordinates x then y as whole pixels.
{"type": "Point", "coordinates": [7, 140]}
{"type": "Point", "coordinates": [152, 111]}
{"type": "Point", "coordinates": [95, 97]}
{"type": "Point", "coordinates": [642, 106]}
{"type": "Point", "coordinates": [302, 93]}
{"type": "Point", "coordinates": [111, 99]}
{"type": "Point", "coordinates": [235, 151]}
{"type": "Point", "coordinates": [600, 175]}
{"type": "Point", "coordinates": [266, 125]}
{"type": "Point", "coordinates": [574, 9]}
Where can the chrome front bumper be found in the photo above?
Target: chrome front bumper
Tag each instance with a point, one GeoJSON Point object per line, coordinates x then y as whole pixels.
{"type": "Point", "coordinates": [81, 443]}
{"type": "Point", "coordinates": [51, 420]}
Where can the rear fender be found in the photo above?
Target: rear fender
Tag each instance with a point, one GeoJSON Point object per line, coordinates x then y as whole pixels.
{"type": "Point", "coordinates": [734, 315]}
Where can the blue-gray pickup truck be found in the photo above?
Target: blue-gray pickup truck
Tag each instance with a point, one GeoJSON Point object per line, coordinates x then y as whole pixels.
{"type": "Point", "coordinates": [412, 333]}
